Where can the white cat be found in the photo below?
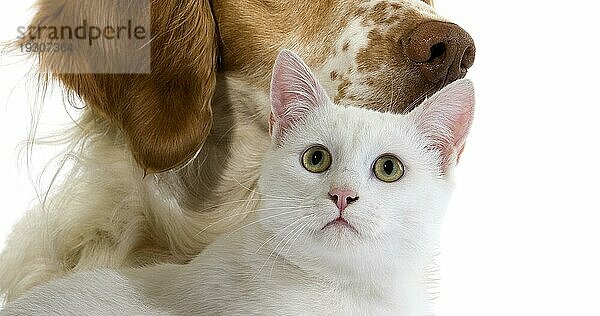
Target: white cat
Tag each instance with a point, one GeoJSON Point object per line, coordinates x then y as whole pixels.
{"type": "Point", "coordinates": [351, 206]}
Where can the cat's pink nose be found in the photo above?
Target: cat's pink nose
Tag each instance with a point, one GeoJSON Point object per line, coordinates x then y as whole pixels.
{"type": "Point", "coordinates": [342, 197]}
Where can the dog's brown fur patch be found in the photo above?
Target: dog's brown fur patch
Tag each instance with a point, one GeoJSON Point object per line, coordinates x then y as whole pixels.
{"type": "Point", "coordinates": [166, 115]}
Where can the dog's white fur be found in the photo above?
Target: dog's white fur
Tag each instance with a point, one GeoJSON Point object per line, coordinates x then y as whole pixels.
{"type": "Point", "coordinates": [282, 261]}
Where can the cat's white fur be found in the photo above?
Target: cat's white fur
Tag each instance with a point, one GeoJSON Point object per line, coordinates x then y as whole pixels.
{"type": "Point", "coordinates": [284, 260]}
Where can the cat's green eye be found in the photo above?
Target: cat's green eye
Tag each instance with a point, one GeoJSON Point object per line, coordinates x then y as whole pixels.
{"type": "Point", "coordinates": [316, 159]}
{"type": "Point", "coordinates": [388, 168]}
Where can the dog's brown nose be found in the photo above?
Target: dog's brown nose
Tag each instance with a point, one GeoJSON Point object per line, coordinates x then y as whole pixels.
{"type": "Point", "coordinates": [442, 50]}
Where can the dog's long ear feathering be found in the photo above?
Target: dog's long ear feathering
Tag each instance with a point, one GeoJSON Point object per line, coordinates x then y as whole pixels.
{"type": "Point", "coordinates": [166, 114]}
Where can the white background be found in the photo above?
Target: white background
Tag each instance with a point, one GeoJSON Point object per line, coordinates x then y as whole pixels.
{"type": "Point", "coordinates": [522, 233]}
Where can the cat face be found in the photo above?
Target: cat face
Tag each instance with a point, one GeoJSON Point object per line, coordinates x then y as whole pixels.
{"type": "Point", "coordinates": [341, 182]}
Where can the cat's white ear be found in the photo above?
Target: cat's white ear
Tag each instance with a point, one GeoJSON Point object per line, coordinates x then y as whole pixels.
{"type": "Point", "coordinates": [445, 118]}
{"type": "Point", "coordinates": [295, 92]}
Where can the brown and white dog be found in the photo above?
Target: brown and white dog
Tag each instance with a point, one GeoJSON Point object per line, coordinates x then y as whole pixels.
{"type": "Point", "coordinates": [163, 162]}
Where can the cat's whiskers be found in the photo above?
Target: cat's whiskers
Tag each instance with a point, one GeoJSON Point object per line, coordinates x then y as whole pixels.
{"type": "Point", "coordinates": [245, 200]}
{"type": "Point", "coordinates": [306, 225]}
{"type": "Point", "coordinates": [274, 251]}
{"type": "Point", "coordinates": [292, 236]}
{"type": "Point", "coordinates": [294, 209]}
{"type": "Point", "coordinates": [298, 191]}
{"type": "Point", "coordinates": [265, 194]}
{"type": "Point", "coordinates": [274, 248]}
{"type": "Point", "coordinates": [277, 234]}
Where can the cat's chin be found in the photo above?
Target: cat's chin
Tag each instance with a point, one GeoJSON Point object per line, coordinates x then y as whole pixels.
{"type": "Point", "coordinates": [339, 235]}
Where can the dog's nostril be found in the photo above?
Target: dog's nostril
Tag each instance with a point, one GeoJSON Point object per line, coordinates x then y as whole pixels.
{"type": "Point", "coordinates": [442, 51]}
{"type": "Point", "coordinates": [437, 50]}
{"type": "Point", "coordinates": [468, 58]}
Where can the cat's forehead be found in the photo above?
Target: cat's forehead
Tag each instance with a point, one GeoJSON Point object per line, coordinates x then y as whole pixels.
{"type": "Point", "coordinates": [358, 130]}
{"type": "Point", "coordinates": [367, 124]}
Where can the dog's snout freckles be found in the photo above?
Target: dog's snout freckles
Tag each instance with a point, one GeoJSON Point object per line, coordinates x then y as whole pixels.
{"type": "Point", "coordinates": [402, 54]}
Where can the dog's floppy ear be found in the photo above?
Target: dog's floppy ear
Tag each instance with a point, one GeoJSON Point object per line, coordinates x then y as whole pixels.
{"type": "Point", "coordinates": [165, 113]}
